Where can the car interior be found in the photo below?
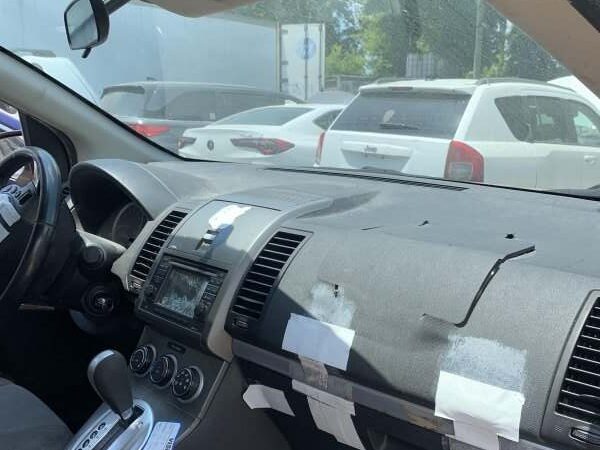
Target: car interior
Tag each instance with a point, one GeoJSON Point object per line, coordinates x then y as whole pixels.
{"type": "Point", "coordinates": [147, 301]}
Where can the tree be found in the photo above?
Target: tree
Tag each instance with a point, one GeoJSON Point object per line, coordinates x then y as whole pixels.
{"type": "Point", "coordinates": [374, 37]}
{"type": "Point", "coordinates": [390, 30]}
{"type": "Point", "coordinates": [344, 62]}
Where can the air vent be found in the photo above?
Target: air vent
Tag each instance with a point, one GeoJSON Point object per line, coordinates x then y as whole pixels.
{"type": "Point", "coordinates": [579, 396]}
{"type": "Point", "coordinates": [262, 277]}
{"type": "Point", "coordinates": [154, 244]}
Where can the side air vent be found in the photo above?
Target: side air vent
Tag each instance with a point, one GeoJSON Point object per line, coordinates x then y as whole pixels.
{"type": "Point", "coordinates": [579, 396]}
{"type": "Point", "coordinates": [152, 247]}
{"type": "Point", "coordinates": [262, 278]}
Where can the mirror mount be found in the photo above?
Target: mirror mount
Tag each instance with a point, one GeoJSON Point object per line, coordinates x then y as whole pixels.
{"type": "Point", "coordinates": [86, 24]}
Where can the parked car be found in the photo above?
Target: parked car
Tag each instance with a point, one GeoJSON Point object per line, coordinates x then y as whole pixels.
{"type": "Point", "coordinates": [162, 111]}
{"type": "Point", "coordinates": [9, 118]}
{"type": "Point", "coordinates": [287, 134]}
{"type": "Point", "coordinates": [499, 131]}
{"type": "Point", "coordinates": [61, 69]}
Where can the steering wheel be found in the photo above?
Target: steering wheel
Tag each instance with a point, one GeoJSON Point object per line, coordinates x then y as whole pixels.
{"type": "Point", "coordinates": [29, 212]}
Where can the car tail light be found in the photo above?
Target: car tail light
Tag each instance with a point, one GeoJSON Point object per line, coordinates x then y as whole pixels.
{"type": "Point", "coordinates": [264, 145]}
{"type": "Point", "coordinates": [149, 130]}
{"type": "Point", "coordinates": [463, 163]}
{"type": "Point", "coordinates": [184, 141]}
{"type": "Point", "coordinates": [319, 152]}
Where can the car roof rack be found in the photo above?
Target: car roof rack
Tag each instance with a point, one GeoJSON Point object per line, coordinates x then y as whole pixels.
{"type": "Point", "coordinates": [492, 80]}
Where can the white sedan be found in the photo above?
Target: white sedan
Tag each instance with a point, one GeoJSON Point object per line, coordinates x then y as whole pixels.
{"type": "Point", "coordinates": [286, 134]}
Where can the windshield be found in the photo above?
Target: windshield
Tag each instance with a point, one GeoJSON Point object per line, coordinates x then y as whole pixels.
{"type": "Point", "coordinates": [436, 88]}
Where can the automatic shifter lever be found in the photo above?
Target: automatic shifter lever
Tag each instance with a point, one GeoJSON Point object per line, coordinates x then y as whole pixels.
{"type": "Point", "coordinates": [109, 377]}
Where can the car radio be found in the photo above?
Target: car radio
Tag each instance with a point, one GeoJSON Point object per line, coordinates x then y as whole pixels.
{"type": "Point", "coordinates": [182, 292]}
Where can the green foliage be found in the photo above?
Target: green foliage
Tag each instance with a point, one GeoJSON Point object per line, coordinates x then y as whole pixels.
{"type": "Point", "coordinates": [374, 37]}
{"type": "Point", "coordinates": [344, 62]}
{"type": "Point", "coordinates": [388, 37]}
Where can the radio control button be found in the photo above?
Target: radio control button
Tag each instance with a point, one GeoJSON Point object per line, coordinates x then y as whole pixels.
{"type": "Point", "coordinates": [187, 384]}
{"type": "Point", "coordinates": [163, 370]}
{"type": "Point", "coordinates": [141, 359]}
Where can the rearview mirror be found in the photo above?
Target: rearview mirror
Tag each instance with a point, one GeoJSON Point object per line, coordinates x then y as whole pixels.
{"type": "Point", "coordinates": [86, 24]}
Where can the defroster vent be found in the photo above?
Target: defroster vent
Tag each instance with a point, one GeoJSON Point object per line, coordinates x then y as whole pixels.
{"type": "Point", "coordinates": [152, 247]}
{"type": "Point", "coordinates": [579, 396]}
{"type": "Point", "coordinates": [262, 278]}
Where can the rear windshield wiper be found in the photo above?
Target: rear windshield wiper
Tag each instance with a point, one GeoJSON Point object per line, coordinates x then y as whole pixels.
{"type": "Point", "coordinates": [397, 126]}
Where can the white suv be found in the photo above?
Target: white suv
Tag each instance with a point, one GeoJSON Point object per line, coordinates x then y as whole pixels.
{"type": "Point", "coordinates": [498, 131]}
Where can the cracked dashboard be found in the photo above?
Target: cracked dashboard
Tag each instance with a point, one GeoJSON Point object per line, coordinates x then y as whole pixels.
{"type": "Point", "coordinates": [431, 278]}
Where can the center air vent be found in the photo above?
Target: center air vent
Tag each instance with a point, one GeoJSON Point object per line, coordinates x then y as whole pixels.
{"type": "Point", "coordinates": [262, 278]}
{"type": "Point", "coordinates": [152, 247]}
{"type": "Point", "coordinates": [579, 396]}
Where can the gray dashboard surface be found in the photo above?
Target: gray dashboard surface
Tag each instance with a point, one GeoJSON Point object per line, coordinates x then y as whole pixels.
{"type": "Point", "coordinates": [399, 250]}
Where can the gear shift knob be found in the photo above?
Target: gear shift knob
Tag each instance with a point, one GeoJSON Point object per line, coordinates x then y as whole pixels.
{"type": "Point", "coordinates": [109, 377]}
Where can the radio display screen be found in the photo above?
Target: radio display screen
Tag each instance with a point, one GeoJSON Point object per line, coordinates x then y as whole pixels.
{"type": "Point", "coordinates": [182, 291]}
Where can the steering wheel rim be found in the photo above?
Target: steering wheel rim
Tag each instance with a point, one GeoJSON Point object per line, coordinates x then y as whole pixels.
{"type": "Point", "coordinates": [49, 191]}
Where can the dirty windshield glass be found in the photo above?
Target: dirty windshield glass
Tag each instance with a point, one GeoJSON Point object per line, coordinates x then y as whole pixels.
{"type": "Point", "coordinates": [438, 88]}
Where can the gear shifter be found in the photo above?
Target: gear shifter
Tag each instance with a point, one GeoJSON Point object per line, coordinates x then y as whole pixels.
{"type": "Point", "coordinates": [109, 377]}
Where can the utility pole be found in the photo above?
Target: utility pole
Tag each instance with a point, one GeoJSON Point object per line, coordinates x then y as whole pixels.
{"type": "Point", "coordinates": [478, 39]}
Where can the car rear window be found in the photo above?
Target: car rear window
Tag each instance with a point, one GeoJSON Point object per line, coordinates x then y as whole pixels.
{"type": "Point", "coordinates": [124, 102]}
{"type": "Point", "coordinates": [433, 115]}
{"type": "Point", "coordinates": [325, 121]}
{"type": "Point", "coordinates": [181, 103]}
{"type": "Point", "coordinates": [160, 102]}
{"type": "Point", "coordinates": [265, 116]}
{"type": "Point", "coordinates": [229, 103]}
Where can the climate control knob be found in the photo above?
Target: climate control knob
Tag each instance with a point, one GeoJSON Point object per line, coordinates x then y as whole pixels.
{"type": "Point", "coordinates": [188, 384]}
{"type": "Point", "coordinates": [141, 359]}
{"type": "Point", "coordinates": [163, 370]}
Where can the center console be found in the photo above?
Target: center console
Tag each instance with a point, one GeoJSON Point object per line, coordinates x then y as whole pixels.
{"type": "Point", "coordinates": [181, 292]}
{"type": "Point", "coordinates": [185, 270]}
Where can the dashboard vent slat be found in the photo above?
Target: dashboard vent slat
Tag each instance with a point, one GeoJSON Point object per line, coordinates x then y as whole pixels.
{"type": "Point", "coordinates": [262, 277]}
{"type": "Point", "coordinates": [153, 245]}
{"type": "Point", "coordinates": [579, 397]}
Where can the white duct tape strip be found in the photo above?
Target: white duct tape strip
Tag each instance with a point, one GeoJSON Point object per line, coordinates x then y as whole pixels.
{"type": "Point", "coordinates": [227, 216]}
{"type": "Point", "coordinates": [7, 211]}
{"type": "Point", "coordinates": [260, 396]}
{"type": "Point", "coordinates": [481, 412]}
{"type": "Point", "coordinates": [320, 341]}
{"type": "Point", "coordinates": [3, 233]}
{"type": "Point", "coordinates": [331, 414]}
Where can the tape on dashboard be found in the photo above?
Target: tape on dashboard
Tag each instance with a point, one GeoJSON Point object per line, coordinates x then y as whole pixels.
{"type": "Point", "coordinates": [319, 341]}
{"type": "Point", "coordinates": [480, 412]}
{"type": "Point", "coordinates": [331, 414]}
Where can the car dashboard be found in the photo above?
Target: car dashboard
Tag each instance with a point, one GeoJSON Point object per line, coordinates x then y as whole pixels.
{"type": "Point", "coordinates": [377, 296]}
